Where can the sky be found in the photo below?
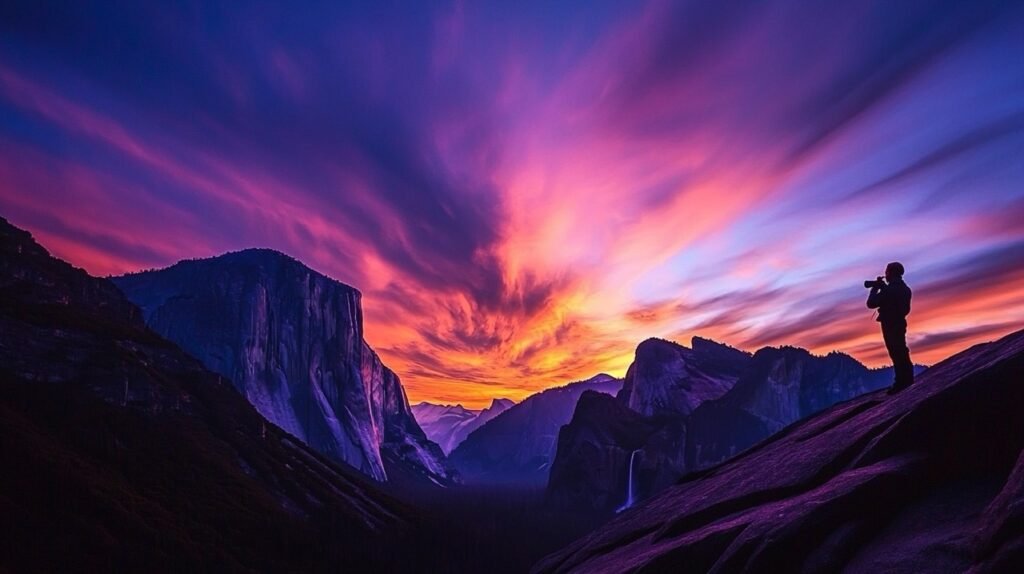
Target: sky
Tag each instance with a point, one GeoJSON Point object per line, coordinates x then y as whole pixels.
{"type": "Point", "coordinates": [524, 191]}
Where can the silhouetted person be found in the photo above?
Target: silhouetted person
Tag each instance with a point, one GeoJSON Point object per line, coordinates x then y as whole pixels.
{"type": "Point", "coordinates": [892, 299]}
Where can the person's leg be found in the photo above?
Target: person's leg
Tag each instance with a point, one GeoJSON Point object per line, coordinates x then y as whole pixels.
{"type": "Point", "coordinates": [907, 376]}
{"type": "Point", "coordinates": [906, 372]}
{"type": "Point", "coordinates": [895, 337]}
{"type": "Point", "coordinates": [890, 346]}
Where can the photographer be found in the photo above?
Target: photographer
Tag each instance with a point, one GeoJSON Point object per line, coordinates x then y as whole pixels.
{"type": "Point", "coordinates": [891, 296]}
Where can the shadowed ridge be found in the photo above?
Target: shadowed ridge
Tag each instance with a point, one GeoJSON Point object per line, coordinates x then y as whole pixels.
{"type": "Point", "coordinates": [591, 467]}
{"type": "Point", "coordinates": [34, 286]}
{"type": "Point", "coordinates": [252, 257]}
{"type": "Point", "coordinates": [519, 445]}
{"type": "Point", "coordinates": [710, 347]}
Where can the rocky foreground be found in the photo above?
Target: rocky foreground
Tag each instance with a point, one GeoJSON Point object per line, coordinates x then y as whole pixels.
{"type": "Point", "coordinates": [929, 480]}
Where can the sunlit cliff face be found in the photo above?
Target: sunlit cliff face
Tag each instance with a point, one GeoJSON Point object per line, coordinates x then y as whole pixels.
{"type": "Point", "coordinates": [525, 193]}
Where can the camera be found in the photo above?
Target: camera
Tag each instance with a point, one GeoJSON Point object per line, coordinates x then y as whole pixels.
{"type": "Point", "coordinates": [873, 283]}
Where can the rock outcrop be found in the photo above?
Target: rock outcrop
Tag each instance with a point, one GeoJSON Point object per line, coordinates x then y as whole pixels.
{"type": "Point", "coordinates": [664, 384]}
{"type": "Point", "coordinates": [668, 378]}
{"type": "Point", "coordinates": [765, 392]}
{"type": "Point", "coordinates": [518, 446]}
{"type": "Point", "coordinates": [928, 480]}
{"type": "Point", "coordinates": [122, 452]}
{"type": "Point", "coordinates": [591, 468]}
{"type": "Point", "coordinates": [292, 342]}
{"type": "Point", "coordinates": [449, 425]}
{"type": "Point", "coordinates": [779, 386]}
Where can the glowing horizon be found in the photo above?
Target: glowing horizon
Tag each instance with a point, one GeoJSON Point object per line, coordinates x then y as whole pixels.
{"type": "Point", "coordinates": [522, 196]}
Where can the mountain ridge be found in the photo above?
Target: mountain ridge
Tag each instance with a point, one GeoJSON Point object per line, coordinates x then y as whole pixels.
{"type": "Point", "coordinates": [449, 425]}
{"type": "Point", "coordinates": [666, 377]}
{"type": "Point", "coordinates": [517, 446]}
{"type": "Point", "coordinates": [919, 481]}
{"type": "Point", "coordinates": [692, 428]}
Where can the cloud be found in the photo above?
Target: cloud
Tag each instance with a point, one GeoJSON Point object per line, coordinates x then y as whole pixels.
{"type": "Point", "coordinates": [945, 339]}
{"type": "Point", "coordinates": [524, 195]}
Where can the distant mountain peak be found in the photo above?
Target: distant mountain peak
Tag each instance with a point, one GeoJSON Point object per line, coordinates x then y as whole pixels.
{"type": "Point", "coordinates": [499, 403]}
{"type": "Point", "coordinates": [792, 353]}
{"type": "Point", "coordinates": [596, 379]}
{"type": "Point", "coordinates": [444, 406]}
{"type": "Point", "coordinates": [449, 425]}
{"type": "Point", "coordinates": [655, 345]}
{"type": "Point", "coordinates": [518, 446]}
{"type": "Point", "coordinates": [702, 344]}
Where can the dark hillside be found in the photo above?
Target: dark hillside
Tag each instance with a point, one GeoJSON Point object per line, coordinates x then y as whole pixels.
{"type": "Point", "coordinates": [125, 453]}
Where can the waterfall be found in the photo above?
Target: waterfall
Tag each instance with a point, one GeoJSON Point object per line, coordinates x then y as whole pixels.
{"type": "Point", "coordinates": [630, 488]}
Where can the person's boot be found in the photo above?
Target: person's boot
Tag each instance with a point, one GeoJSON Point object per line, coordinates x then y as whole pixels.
{"type": "Point", "coordinates": [897, 387]}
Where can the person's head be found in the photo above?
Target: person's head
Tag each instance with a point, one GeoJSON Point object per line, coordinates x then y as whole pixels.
{"type": "Point", "coordinates": [893, 271]}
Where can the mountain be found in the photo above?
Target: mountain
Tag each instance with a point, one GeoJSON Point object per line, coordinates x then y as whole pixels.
{"type": "Point", "coordinates": [928, 480]}
{"type": "Point", "coordinates": [666, 377]}
{"type": "Point", "coordinates": [766, 391]}
{"type": "Point", "coordinates": [292, 342]}
{"type": "Point", "coordinates": [595, 465]}
{"type": "Point", "coordinates": [780, 385]}
{"type": "Point", "coordinates": [517, 446]}
{"type": "Point", "coordinates": [121, 452]}
{"type": "Point", "coordinates": [439, 422]}
{"type": "Point", "coordinates": [592, 464]}
{"type": "Point", "coordinates": [449, 425]}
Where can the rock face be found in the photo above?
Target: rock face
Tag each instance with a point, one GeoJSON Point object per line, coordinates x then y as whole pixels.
{"type": "Point", "coordinates": [928, 480]}
{"type": "Point", "coordinates": [764, 393]}
{"type": "Point", "coordinates": [779, 386]}
{"type": "Point", "coordinates": [667, 378]}
{"type": "Point", "coordinates": [122, 452]}
{"type": "Point", "coordinates": [665, 383]}
{"type": "Point", "coordinates": [518, 446]}
{"type": "Point", "coordinates": [591, 468]}
{"type": "Point", "coordinates": [292, 342]}
{"type": "Point", "coordinates": [449, 425]}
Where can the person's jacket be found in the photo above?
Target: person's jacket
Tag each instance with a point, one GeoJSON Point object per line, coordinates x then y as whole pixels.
{"type": "Point", "coordinates": [892, 302]}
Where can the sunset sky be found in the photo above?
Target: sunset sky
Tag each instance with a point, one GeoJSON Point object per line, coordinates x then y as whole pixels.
{"type": "Point", "coordinates": [523, 191]}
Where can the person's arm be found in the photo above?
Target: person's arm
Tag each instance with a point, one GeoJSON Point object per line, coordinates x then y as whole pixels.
{"type": "Point", "coordinates": [875, 297]}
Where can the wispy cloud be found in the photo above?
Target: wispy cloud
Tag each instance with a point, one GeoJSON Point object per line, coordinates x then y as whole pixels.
{"type": "Point", "coordinates": [524, 195]}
